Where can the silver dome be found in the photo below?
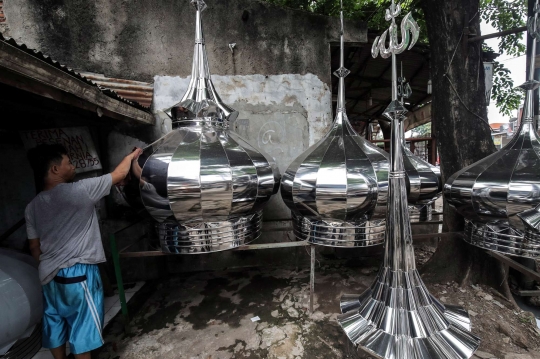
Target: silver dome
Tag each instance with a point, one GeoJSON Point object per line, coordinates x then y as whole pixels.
{"type": "Point", "coordinates": [424, 182]}
{"type": "Point", "coordinates": [204, 184]}
{"type": "Point", "coordinates": [337, 189]}
{"type": "Point", "coordinates": [424, 186]}
{"type": "Point", "coordinates": [499, 196]}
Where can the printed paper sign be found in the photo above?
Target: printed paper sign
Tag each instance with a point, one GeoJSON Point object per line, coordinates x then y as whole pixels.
{"type": "Point", "coordinates": [488, 68]}
{"type": "Point", "coordinates": [77, 140]}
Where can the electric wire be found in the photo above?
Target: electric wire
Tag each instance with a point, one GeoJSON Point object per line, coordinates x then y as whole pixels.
{"type": "Point", "coordinates": [445, 75]}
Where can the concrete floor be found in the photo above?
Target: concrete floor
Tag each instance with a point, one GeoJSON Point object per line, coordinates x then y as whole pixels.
{"type": "Point", "coordinates": [209, 315]}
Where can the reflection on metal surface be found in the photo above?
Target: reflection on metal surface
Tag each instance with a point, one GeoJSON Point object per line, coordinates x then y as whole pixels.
{"type": "Point", "coordinates": [209, 237]}
{"type": "Point", "coordinates": [362, 233]}
{"type": "Point", "coordinates": [424, 186]}
{"type": "Point", "coordinates": [397, 318]}
{"type": "Point", "coordinates": [424, 182]}
{"type": "Point", "coordinates": [500, 194]}
{"type": "Point", "coordinates": [503, 238]}
{"type": "Point", "coordinates": [205, 185]}
{"type": "Point", "coordinates": [340, 182]}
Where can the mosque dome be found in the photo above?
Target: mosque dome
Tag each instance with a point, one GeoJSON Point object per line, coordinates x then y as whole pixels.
{"type": "Point", "coordinates": [204, 184]}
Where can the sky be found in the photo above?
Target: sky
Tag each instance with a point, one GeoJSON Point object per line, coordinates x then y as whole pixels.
{"type": "Point", "coordinates": [515, 65]}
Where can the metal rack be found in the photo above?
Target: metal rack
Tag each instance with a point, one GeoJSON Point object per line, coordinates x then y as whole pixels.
{"type": "Point", "coordinates": [124, 253]}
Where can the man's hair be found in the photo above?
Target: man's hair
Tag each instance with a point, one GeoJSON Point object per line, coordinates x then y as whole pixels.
{"type": "Point", "coordinates": [43, 156]}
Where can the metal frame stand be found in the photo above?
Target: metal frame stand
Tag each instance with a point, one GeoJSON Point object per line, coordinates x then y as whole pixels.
{"type": "Point", "coordinates": [117, 254]}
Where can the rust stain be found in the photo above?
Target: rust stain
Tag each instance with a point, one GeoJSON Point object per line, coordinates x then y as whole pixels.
{"type": "Point", "coordinates": [138, 91]}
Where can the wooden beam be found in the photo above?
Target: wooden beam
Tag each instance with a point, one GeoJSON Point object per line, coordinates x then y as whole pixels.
{"type": "Point", "coordinates": [517, 266]}
{"type": "Point", "coordinates": [498, 34]}
{"type": "Point", "coordinates": [417, 118]}
{"type": "Point", "coordinates": [26, 72]}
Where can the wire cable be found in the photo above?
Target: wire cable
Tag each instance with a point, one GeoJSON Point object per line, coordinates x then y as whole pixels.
{"type": "Point", "coordinates": [445, 75]}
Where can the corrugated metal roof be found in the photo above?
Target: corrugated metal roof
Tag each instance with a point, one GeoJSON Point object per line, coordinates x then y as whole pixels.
{"type": "Point", "coordinates": [41, 56]}
{"type": "Point", "coordinates": [371, 79]}
{"type": "Point", "coordinates": [138, 91]}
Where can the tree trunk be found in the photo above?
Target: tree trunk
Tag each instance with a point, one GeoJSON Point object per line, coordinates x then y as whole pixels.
{"type": "Point", "coordinates": [461, 128]}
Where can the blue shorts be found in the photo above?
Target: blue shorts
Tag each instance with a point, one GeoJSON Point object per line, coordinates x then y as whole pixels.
{"type": "Point", "coordinates": [73, 309]}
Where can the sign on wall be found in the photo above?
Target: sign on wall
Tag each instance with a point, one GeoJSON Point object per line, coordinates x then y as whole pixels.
{"type": "Point", "coordinates": [77, 140]}
{"type": "Point", "coordinates": [488, 68]}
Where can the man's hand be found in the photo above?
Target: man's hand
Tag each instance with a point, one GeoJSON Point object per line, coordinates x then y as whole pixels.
{"type": "Point", "coordinates": [136, 153]}
{"type": "Point", "coordinates": [122, 170]}
{"type": "Point", "coordinates": [35, 248]}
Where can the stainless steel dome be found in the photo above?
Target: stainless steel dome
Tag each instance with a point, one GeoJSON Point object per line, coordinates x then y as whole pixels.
{"type": "Point", "coordinates": [203, 183]}
{"type": "Point", "coordinates": [499, 196]}
{"type": "Point", "coordinates": [424, 182]}
{"type": "Point", "coordinates": [424, 186]}
{"type": "Point", "coordinates": [337, 189]}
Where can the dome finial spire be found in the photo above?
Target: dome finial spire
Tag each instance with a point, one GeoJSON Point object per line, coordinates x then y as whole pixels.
{"type": "Point", "coordinates": [201, 102]}
{"type": "Point", "coordinates": [390, 319]}
{"type": "Point", "coordinates": [342, 72]}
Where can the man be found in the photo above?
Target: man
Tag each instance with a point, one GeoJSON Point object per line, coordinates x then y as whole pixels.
{"type": "Point", "coordinates": [64, 236]}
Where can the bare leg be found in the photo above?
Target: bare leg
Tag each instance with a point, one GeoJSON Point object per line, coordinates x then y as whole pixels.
{"type": "Point", "coordinates": [59, 352]}
{"type": "Point", "coordinates": [83, 356]}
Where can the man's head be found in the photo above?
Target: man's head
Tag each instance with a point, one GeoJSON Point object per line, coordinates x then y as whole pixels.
{"type": "Point", "coordinates": [51, 162]}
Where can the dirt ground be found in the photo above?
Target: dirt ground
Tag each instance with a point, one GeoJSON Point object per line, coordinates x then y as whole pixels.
{"type": "Point", "coordinates": [212, 315]}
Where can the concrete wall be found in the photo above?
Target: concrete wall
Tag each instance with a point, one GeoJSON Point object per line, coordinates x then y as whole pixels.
{"type": "Point", "coordinates": [139, 39]}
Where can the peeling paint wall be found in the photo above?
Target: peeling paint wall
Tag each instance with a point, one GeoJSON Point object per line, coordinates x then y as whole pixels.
{"type": "Point", "coordinates": [281, 114]}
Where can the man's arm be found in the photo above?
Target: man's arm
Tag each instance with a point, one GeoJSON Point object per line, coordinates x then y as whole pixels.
{"type": "Point", "coordinates": [121, 171]}
{"type": "Point", "coordinates": [35, 248]}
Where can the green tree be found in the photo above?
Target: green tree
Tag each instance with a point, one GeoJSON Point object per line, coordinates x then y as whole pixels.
{"type": "Point", "coordinates": [501, 14]}
{"type": "Point", "coordinates": [504, 15]}
{"type": "Point", "coordinates": [422, 130]}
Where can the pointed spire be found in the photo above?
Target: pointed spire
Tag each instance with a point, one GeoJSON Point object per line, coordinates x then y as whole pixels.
{"type": "Point", "coordinates": [201, 103]}
{"type": "Point", "coordinates": [342, 72]}
{"type": "Point", "coordinates": [200, 72]}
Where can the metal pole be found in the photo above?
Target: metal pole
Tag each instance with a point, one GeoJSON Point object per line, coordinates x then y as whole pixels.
{"type": "Point", "coordinates": [536, 71]}
{"type": "Point", "coordinates": [312, 279]}
{"type": "Point", "coordinates": [119, 280]}
{"type": "Point", "coordinates": [498, 34]}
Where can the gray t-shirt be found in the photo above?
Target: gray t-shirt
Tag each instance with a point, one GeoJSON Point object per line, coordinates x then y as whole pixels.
{"type": "Point", "coordinates": [64, 219]}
